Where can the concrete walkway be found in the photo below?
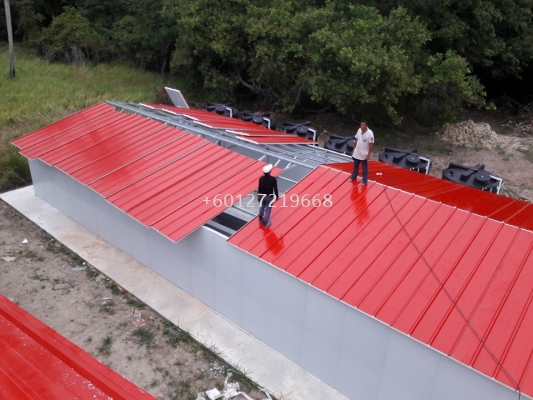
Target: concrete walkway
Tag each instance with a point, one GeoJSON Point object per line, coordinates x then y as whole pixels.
{"type": "Point", "coordinates": [264, 365]}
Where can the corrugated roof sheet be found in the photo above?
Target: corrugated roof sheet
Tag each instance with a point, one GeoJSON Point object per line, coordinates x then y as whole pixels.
{"type": "Point", "coordinates": [242, 129]}
{"type": "Point", "coordinates": [487, 204]}
{"type": "Point", "coordinates": [38, 363]}
{"type": "Point", "coordinates": [163, 177]}
{"type": "Point", "coordinates": [455, 280]}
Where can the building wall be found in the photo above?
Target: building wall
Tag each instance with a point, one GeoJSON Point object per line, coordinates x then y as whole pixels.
{"type": "Point", "coordinates": [352, 352]}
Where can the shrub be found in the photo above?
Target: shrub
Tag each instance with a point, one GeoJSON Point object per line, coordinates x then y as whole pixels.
{"type": "Point", "coordinates": [71, 38]}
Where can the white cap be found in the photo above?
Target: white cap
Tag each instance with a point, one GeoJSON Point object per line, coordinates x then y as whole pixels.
{"type": "Point", "coordinates": [267, 168]}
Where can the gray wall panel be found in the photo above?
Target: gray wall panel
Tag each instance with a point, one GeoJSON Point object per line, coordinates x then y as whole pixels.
{"type": "Point", "coordinates": [74, 193]}
{"type": "Point", "coordinates": [409, 369]}
{"type": "Point", "coordinates": [121, 231]}
{"type": "Point", "coordinates": [38, 176]}
{"type": "Point", "coordinates": [162, 258]}
{"type": "Point", "coordinates": [88, 200]}
{"type": "Point", "coordinates": [179, 263]}
{"type": "Point", "coordinates": [323, 327]}
{"type": "Point", "coordinates": [58, 179]}
{"type": "Point", "coordinates": [256, 297]}
{"type": "Point", "coordinates": [505, 393]}
{"type": "Point", "coordinates": [42, 177]}
{"type": "Point", "coordinates": [455, 381]}
{"type": "Point", "coordinates": [228, 284]}
{"type": "Point", "coordinates": [287, 314]}
{"type": "Point", "coordinates": [140, 246]}
{"type": "Point", "coordinates": [362, 356]}
{"type": "Point", "coordinates": [105, 213]}
{"type": "Point", "coordinates": [204, 258]}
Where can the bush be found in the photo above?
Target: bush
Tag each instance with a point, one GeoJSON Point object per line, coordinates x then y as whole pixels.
{"type": "Point", "coordinates": [71, 38]}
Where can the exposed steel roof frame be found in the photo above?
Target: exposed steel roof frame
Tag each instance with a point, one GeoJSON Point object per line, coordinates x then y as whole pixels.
{"type": "Point", "coordinates": [308, 156]}
{"type": "Point", "coordinates": [296, 160]}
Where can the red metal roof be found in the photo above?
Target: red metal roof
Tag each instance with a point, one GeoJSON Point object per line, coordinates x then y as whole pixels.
{"type": "Point", "coordinates": [158, 174]}
{"type": "Point", "coordinates": [487, 204]}
{"type": "Point", "coordinates": [244, 130]}
{"type": "Point", "coordinates": [38, 363]}
{"type": "Point", "coordinates": [457, 281]}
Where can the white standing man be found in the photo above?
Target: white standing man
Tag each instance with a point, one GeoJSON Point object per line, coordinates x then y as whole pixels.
{"type": "Point", "coordinates": [364, 141]}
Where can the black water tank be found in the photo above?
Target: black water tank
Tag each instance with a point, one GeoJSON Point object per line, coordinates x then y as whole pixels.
{"type": "Point", "coordinates": [303, 130]}
{"type": "Point", "coordinates": [408, 159]}
{"type": "Point", "coordinates": [475, 177]}
{"type": "Point", "coordinates": [340, 144]}
{"type": "Point", "coordinates": [223, 109]}
{"type": "Point", "coordinates": [259, 119]}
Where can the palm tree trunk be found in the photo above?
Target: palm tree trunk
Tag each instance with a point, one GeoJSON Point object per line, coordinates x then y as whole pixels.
{"type": "Point", "coordinates": [10, 39]}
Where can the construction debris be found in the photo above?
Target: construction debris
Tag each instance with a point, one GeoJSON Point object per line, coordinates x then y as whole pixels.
{"type": "Point", "coordinates": [137, 319]}
{"type": "Point", "coordinates": [231, 390]}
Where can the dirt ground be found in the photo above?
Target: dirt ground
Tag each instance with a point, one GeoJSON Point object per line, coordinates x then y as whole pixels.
{"type": "Point", "coordinates": [54, 285]}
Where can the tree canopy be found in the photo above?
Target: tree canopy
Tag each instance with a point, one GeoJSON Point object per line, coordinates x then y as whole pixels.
{"type": "Point", "coordinates": [382, 58]}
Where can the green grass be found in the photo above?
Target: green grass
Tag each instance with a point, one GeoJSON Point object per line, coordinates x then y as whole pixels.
{"type": "Point", "coordinates": [143, 336]}
{"type": "Point", "coordinates": [108, 307]}
{"type": "Point", "coordinates": [139, 305]}
{"type": "Point", "coordinates": [114, 288]}
{"type": "Point", "coordinates": [44, 92]}
{"type": "Point", "coordinates": [105, 346]}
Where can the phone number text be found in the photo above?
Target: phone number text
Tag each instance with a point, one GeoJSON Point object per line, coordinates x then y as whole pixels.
{"type": "Point", "coordinates": [292, 201]}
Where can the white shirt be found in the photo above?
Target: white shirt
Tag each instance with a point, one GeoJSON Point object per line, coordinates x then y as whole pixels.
{"type": "Point", "coordinates": [363, 144]}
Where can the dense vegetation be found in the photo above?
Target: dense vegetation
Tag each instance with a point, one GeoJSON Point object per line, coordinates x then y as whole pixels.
{"type": "Point", "coordinates": [378, 59]}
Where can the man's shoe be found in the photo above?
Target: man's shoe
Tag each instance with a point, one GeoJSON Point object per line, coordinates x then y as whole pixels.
{"type": "Point", "coordinates": [362, 184]}
{"type": "Point", "coordinates": [269, 223]}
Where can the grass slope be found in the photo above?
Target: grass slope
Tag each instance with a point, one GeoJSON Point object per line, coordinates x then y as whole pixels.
{"type": "Point", "coordinates": [43, 92]}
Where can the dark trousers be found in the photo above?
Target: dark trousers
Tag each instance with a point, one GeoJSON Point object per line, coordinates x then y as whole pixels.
{"type": "Point", "coordinates": [355, 172]}
{"type": "Point", "coordinates": [265, 209]}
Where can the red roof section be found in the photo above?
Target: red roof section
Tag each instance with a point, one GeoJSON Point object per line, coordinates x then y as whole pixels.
{"type": "Point", "coordinates": [457, 281]}
{"type": "Point", "coordinates": [38, 363]}
{"type": "Point", "coordinates": [163, 177]}
{"type": "Point", "coordinates": [244, 130]}
{"type": "Point", "coordinates": [487, 204]}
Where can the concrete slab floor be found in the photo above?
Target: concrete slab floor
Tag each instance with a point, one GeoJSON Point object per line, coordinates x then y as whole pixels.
{"type": "Point", "coordinates": [266, 366]}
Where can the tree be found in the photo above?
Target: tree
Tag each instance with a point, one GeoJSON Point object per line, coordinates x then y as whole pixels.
{"type": "Point", "coordinates": [29, 22]}
{"type": "Point", "coordinates": [354, 59]}
{"type": "Point", "coordinates": [493, 35]}
{"type": "Point", "coordinates": [346, 57]}
{"type": "Point", "coordinates": [146, 35]}
{"type": "Point", "coordinates": [212, 47]}
{"type": "Point", "coordinates": [71, 38]}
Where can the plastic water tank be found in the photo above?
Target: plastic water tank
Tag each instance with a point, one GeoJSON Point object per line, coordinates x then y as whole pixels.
{"type": "Point", "coordinates": [301, 129]}
{"type": "Point", "coordinates": [475, 177]}
{"type": "Point", "coordinates": [223, 109]}
{"type": "Point", "coordinates": [259, 119]}
{"type": "Point", "coordinates": [408, 159]}
{"type": "Point", "coordinates": [340, 144]}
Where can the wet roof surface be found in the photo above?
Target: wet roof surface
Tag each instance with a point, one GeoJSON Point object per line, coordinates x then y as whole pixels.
{"type": "Point", "coordinates": [455, 280]}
